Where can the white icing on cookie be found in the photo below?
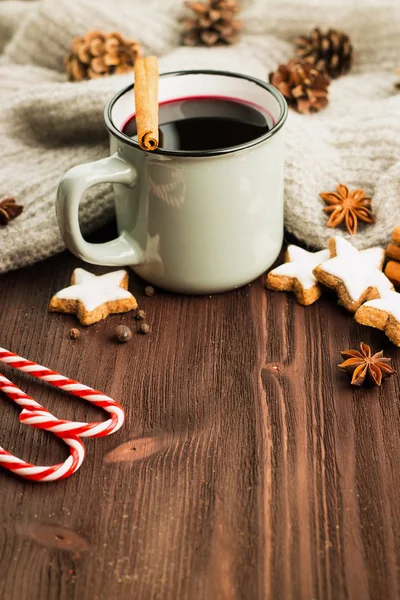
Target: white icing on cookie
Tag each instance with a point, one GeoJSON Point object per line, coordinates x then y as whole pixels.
{"type": "Point", "coordinates": [94, 290]}
{"type": "Point", "coordinates": [301, 264]}
{"type": "Point", "coordinates": [389, 303]}
{"type": "Point", "coordinates": [358, 269]}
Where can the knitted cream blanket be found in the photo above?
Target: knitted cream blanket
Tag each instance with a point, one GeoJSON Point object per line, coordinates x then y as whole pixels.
{"type": "Point", "coordinates": [48, 125]}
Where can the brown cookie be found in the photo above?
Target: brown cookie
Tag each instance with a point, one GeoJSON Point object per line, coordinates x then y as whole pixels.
{"type": "Point", "coordinates": [355, 275]}
{"type": "Point", "coordinates": [92, 298]}
{"type": "Point", "coordinates": [382, 313]}
{"type": "Point", "coordinates": [296, 274]}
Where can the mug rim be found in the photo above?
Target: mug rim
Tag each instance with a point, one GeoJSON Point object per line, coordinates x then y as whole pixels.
{"type": "Point", "coordinates": [201, 153]}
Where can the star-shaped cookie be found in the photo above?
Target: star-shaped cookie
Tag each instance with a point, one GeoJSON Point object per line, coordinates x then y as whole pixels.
{"type": "Point", "coordinates": [296, 274]}
{"type": "Point", "coordinates": [356, 275]}
{"type": "Point", "coordinates": [382, 313]}
{"type": "Point", "coordinates": [93, 297]}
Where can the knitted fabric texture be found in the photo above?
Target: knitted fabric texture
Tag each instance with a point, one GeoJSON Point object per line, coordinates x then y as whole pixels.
{"type": "Point", "coordinates": [48, 125]}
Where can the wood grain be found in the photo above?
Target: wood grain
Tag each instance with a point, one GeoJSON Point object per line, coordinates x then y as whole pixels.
{"type": "Point", "coordinates": [248, 467]}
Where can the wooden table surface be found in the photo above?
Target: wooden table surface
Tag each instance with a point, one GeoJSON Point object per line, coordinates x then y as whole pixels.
{"type": "Point", "coordinates": [248, 468]}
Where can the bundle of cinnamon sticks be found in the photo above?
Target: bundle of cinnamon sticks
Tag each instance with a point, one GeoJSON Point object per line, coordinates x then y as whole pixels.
{"type": "Point", "coordinates": [392, 270]}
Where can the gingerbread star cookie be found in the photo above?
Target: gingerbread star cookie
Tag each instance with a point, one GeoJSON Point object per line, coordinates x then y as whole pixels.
{"type": "Point", "coordinates": [356, 275]}
{"type": "Point", "coordinates": [92, 298]}
{"type": "Point", "coordinates": [382, 313]}
{"type": "Point", "coordinates": [296, 274]}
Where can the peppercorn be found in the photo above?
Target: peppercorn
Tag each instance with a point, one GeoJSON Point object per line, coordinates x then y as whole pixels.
{"type": "Point", "coordinates": [123, 333]}
{"type": "Point", "coordinates": [140, 314]}
{"type": "Point", "coordinates": [149, 290]}
{"type": "Point", "coordinates": [144, 328]}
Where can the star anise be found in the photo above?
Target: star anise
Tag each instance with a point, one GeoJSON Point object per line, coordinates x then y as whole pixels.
{"type": "Point", "coordinates": [362, 363]}
{"type": "Point", "coordinates": [347, 206]}
{"type": "Point", "coordinates": [9, 210]}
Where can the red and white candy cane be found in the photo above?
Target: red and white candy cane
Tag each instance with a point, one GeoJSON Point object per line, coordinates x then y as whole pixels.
{"type": "Point", "coordinates": [34, 472]}
{"type": "Point", "coordinates": [43, 419]}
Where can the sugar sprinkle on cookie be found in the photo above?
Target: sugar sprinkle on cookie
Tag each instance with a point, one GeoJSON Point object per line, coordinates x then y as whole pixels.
{"type": "Point", "coordinates": [296, 274]}
{"type": "Point", "coordinates": [92, 298]}
{"type": "Point", "coordinates": [355, 275]}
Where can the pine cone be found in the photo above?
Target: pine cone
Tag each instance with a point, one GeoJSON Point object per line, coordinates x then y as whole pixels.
{"type": "Point", "coordinates": [331, 51]}
{"type": "Point", "coordinates": [213, 23]}
{"type": "Point", "coordinates": [304, 87]}
{"type": "Point", "coordinates": [100, 54]}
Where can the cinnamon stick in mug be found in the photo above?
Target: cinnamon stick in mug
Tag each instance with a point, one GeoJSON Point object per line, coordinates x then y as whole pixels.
{"type": "Point", "coordinates": [146, 101]}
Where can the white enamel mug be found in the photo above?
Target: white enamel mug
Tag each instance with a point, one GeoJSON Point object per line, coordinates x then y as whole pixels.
{"type": "Point", "coordinates": [195, 222]}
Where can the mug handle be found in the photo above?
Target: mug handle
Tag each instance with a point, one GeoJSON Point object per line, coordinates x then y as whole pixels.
{"type": "Point", "coordinates": [121, 251]}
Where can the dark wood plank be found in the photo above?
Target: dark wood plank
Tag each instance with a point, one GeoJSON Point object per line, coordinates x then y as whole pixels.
{"type": "Point", "coordinates": [248, 468]}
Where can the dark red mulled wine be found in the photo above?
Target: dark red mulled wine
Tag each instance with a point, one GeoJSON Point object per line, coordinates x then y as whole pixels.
{"type": "Point", "coordinates": [205, 124]}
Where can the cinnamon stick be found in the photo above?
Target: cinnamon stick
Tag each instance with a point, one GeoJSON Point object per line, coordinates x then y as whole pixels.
{"type": "Point", "coordinates": [393, 251]}
{"type": "Point", "coordinates": [392, 272]}
{"type": "Point", "coordinates": [146, 101]}
{"type": "Point", "coordinates": [396, 235]}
